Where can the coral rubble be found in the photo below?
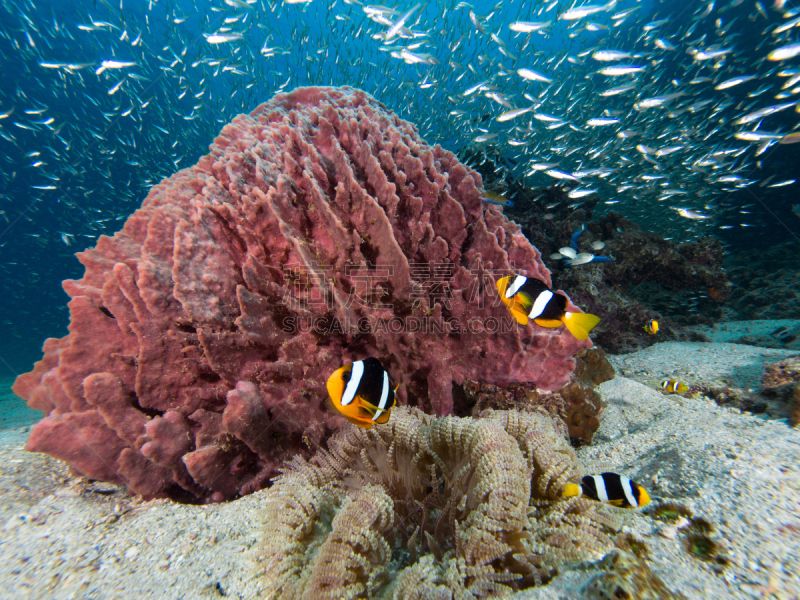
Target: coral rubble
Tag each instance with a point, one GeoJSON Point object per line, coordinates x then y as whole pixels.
{"type": "Point", "coordinates": [426, 507]}
{"type": "Point", "coordinates": [628, 577]}
{"type": "Point", "coordinates": [319, 229]}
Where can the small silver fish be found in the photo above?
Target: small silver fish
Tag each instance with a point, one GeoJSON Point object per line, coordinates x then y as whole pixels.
{"type": "Point", "coordinates": [222, 38]}
{"type": "Point", "coordinates": [610, 55]}
{"type": "Point", "coordinates": [579, 12]}
{"type": "Point", "coordinates": [690, 214]}
{"type": "Point", "coordinates": [528, 26]}
{"type": "Point", "coordinates": [556, 174]}
{"type": "Point", "coordinates": [512, 114]}
{"type": "Point", "coordinates": [785, 52]}
{"type": "Point", "coordinates": [601, 122]}
{"type": "Point", "coordinates": [621, 70]}
{"type": "Point", "coordinates": [532, 76]}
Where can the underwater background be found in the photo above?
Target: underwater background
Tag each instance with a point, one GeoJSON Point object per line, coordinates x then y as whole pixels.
{"type": "Point", "coordinates": [266, 158]}
{"type": "Point", "coordinates": [81, 144]}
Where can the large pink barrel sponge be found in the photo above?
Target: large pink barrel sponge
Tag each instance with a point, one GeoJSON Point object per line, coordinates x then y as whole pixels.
{"type": "Point", "coordinates": [320, 229]}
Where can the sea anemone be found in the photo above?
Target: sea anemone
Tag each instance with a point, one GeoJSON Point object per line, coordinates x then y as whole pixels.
{"type": "Point", "coordinates": [426, 507]}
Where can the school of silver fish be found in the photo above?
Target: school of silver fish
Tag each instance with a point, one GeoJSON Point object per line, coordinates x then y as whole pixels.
{"type": "Point", "coordinates": [656, 112]}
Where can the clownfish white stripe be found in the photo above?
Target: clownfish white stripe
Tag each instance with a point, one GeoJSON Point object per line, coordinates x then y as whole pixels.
{"type": "Point", "coordinates": [384, 391]}
{"type": "Point", "coordinates": [519, 281]}
{"type": "Point", "coordinates": [540, 304]}
{"type": "Point", "coordinates": [600, 487]}
{"type": "Point", "coordinates": [626, 487]}
{"type": "Point", "coordinates": [352, 385]}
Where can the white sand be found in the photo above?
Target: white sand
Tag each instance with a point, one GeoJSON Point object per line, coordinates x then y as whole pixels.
{"type": "Point", "coordinates": [67, 538]}
{"type": "Point", "coordinates": [62, 539]}
{"type": "Point", "coordinates": [696, 362]}
{"type": "Point", "coordinates": [741, 473]}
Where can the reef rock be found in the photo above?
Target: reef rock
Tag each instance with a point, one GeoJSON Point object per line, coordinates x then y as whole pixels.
{"type": "Point", "coordinates": [320, 229]}
{"type": "Point", "coordinates": [679, 285]}
{"type": "Point", "coordinates": [782, 381]}
{"type": "Point", "coordinates": [767, 282]}
{"type": "Point", "coordinates": [578, 404]}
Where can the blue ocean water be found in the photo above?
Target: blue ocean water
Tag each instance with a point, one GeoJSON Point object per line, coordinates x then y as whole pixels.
{"type": "Point", "coordinates": [81, 143]}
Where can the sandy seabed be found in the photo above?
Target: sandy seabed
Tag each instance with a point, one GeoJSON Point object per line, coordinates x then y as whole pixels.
{"type": "Point", "coordinates": [66, 537]}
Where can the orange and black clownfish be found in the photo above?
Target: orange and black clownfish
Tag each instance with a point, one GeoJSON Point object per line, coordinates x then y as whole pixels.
{"type": "Point", "coordinates": [609, 488]}
{"type": "Point", "coordinates": [651, 327]}
{"type": "Point", "coordinates": [675, 387]}
{"type": "Point", "coordinates": [529, 298]}
{"type": "Point", "coordinates": [362, 393]}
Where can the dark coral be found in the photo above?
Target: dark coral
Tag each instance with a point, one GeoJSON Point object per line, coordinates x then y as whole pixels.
{"type": "Point", "coordinates": [680, 285]}
{"type": "Point", "coordinates": [733, 397]}
{"type": "Point", "coordinates": [650, 278]}
{"type": "Point", "coordinates": [778, 375]}
{"type": "Point", "coordinates": [767, 283]}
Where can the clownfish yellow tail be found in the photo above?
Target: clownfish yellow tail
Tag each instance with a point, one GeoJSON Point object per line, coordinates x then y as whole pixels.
{"type": "Point", "coordinates": [580, 324]}
{"type": "Point", "coordinates": [570, 490]}
{"type": "Point", "coordinates": [644, 497]}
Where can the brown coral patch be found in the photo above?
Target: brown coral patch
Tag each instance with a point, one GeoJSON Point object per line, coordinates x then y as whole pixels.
{"type": "Point", "coordinates": [578, 403]}
{"type": "Point", "coordinates": [468, 507]}
{"type": "Point", "coordinates": [592, 366]}
{"type": "Point", "coordinates": [669, 511]}
{"type": "Point", "coordinates": [781, 380]}
{"type": "Point", "coordinates": [777, 375]}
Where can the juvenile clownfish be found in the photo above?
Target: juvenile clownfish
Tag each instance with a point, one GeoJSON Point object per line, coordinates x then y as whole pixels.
{"type": "Point", "coordinates": [651, 327]}
{"type": "Point", "coordinates": [362, 393]}
{"type": "Point", "coordinates": [609, 488]}
{"type": "Point", "coordinates": [675, 387]}
{"type": "Point", "coordinates": [529, 298]}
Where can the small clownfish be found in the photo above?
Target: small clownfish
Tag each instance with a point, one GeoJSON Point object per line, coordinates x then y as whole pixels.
{"type": "Point", "coordinates": [651, 327]}
{"type": "Point", "coordinates": [362, 393]}
{"type": "Point", "coordinates": [609, 488]}
{"type": "Point", "coordinates": [529, 298]}
{"type": "Point", "coordinates": [675, 387]}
